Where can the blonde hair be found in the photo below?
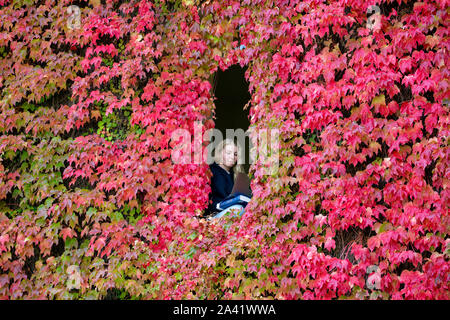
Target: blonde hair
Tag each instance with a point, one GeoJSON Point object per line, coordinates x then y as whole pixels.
{"type": "Point", "coordinates": [218, 155]}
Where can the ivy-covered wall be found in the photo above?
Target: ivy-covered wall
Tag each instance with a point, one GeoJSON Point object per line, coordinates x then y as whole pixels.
{"type": "Point", "coordinates": [92, 206]}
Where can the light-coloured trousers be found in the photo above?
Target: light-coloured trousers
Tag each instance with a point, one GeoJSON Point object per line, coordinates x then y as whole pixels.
{"type": "Point", "coordinates": [239, 209]}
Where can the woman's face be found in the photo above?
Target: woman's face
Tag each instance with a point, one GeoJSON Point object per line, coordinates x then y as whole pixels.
{"type": "Point", "coordinates": [230, 155]}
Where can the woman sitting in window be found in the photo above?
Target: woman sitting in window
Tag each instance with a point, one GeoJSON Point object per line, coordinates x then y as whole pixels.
{"type": "Point", "coordinates": [224, 170]}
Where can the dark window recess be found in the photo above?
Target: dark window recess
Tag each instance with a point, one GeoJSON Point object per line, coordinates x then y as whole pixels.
{"type": "Point", "coordinates": [231, 92]}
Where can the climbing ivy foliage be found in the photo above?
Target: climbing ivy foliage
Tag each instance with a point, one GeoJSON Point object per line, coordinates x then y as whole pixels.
{"type": "Point", "coordinates": [92, 206]}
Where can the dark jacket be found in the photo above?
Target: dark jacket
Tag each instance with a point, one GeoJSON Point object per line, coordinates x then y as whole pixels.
{"type": "Point", "coordinates": [221, 185]}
